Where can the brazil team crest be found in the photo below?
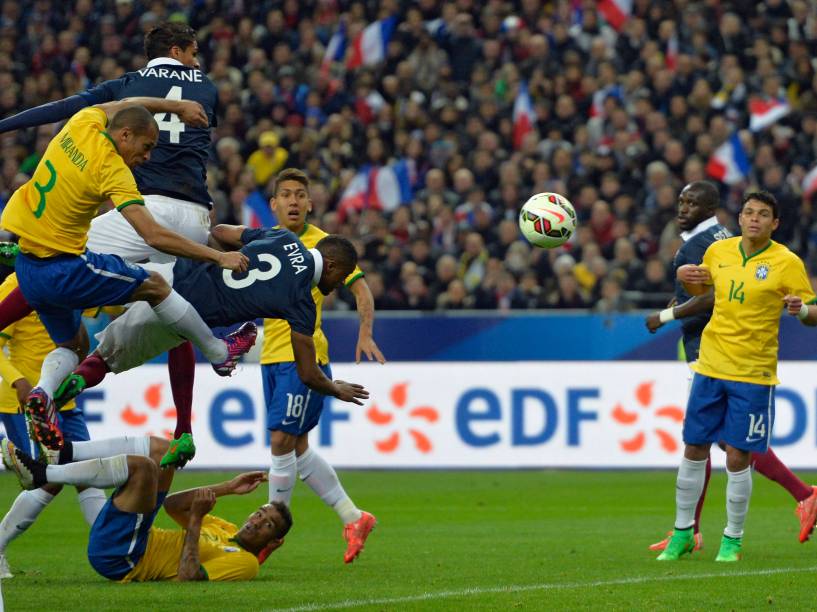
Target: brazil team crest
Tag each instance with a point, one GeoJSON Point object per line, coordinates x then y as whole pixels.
{"type": "Point", "coordinates": [762, 271]}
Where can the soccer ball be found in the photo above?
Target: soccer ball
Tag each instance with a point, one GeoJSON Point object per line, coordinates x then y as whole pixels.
{"type": "Point", "coordinates": [547, 220]}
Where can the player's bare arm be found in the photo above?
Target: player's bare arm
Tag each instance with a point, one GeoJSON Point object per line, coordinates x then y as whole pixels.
{"type": "Point", "coordinates": [178, 506]}
{"type": "Point", "coordinates": [805, 312]}
{"type": "Point", "coordinates": [190, 564]}
{"type": "Point", "coordinates": [365, 311]}
{"type": "Point", "coordinates": [694, 306]}
{"type": "Point", "coordinates": [303, 348]}
{"type": "Point", "coordinates": [696, 279]}
{"type": "Point", "coordinates": [190, 112]}
{"type": "Point", "coordinates": [228, 236]}
{"type": "Point", "coordinates": [168, 241]}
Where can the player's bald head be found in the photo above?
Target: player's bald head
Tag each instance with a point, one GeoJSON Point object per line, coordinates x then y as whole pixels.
{"type": "Point", "coordinates": [137, 118]}
{"type": "Point", "coordinates": [339, 250]}
{"type": "Point", "coordinates": [705, 194]}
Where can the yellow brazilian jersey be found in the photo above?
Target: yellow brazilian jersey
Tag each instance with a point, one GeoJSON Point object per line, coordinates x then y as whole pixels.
{"type": "Point", "coordinates": [277, 347]}
{"type": "Point", "coordinates": [79, 171]}
{"type": "Point", "coordinates": [219, 555]}
{"type": "Point", "coordinates": [740, 341]}
{"type": "Point", "coordinates": [27, 343]}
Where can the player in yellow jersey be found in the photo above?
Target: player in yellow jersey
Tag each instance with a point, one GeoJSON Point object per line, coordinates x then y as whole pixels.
{"type": "Point", "coordinates": [293, 408]}
{"type": "Point", "coordinates": [28, 343]}
{"type": "Point", "coordinates": [88, 163]}
{"type": "Point", "coordinates": [123, 544]}
{"type": "Point", "coordinates": [732, 396]}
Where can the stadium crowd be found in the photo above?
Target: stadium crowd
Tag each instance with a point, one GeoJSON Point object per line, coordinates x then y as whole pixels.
{"type": "Point", "coordinates": [623, 118]}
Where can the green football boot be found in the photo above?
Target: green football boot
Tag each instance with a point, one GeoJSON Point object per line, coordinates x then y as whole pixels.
{"type": "Point", "coordinates": [8, 253]}
{"type": "Point", "coordinates": [180, 452]}
{"type": "Point", "coordinates": [72, 386]}
{"type": "Point", "coordinates": [681, 543]}
{"type": "Point", "coordinates": [730, 549]}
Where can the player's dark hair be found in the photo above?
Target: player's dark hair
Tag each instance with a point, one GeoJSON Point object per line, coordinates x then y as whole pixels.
{"type": "Point", "coordinates": [707, 193]}
{"type": "Point", "coordinates": [286, 515]}
{"type": "Point", "coordinates": [290, 174]}
{"type": "Point", "coordinates": [765, 197]}
{"type": "Point", "coordinates": [162, 38]}
{"type": "Point", "coordinates": [340, 250]}
{"type": "Point", "coordinates": [135, 117]}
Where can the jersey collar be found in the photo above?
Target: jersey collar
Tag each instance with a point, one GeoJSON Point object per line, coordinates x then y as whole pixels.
{"type": "Point", "coordinates": [316, 277]}
{"type": "Point", "coordinates": [701, 227]}
{"type": "Point", "coordinates": [163, 61]}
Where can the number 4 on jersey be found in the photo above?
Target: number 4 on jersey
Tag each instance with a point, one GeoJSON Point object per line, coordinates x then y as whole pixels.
{"type": "Point", "coordinates": [170, 122]}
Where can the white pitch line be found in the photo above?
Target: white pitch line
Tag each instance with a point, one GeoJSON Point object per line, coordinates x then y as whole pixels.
{"type": "Point", "coordinates": [546, 586]}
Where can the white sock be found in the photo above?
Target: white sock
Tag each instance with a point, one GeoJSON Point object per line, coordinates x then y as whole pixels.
{"type": "Point", "coordinates": [282, 477]}
{"type": "Point", "coordinates": [177, 313]}
{"type": "Point", "coordinates": [107, 472]}
{"type": "Point", "coordinates": [97, 449]}
{"type": "Point", "coordinates": [688, 488]}
{"type": "Point", "coordinates": [58, 364]}
{"type": "Point", "coordinates": [322, 478]}
{"type": "Point", "coordinates": [91, 502]}
{"type": "Point", "coordinates": [738, 493]}
{"type": "Point", "coordinates": [22, 514]}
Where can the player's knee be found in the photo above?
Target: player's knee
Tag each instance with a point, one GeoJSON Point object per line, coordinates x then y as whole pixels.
{"type": "Point", "coordinates": [142, 470]}
{"type": "Point", "coordinates": [154, 289]}
{"type": "Point", "coordinates": [282, 442]}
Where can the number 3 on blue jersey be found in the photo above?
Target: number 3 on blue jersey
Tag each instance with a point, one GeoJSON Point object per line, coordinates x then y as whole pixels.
{"type": "Point", "coordinates": [254, 274]}
{"type": "Point", "coordinates": [172, 125]}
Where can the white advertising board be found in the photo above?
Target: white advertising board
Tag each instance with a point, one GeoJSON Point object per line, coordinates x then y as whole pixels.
{"type": "Point", "coordinates": [465, 415]}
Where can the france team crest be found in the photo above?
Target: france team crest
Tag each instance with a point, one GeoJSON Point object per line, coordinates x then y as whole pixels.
{"type": "Point", "coordinates": [762, 271]}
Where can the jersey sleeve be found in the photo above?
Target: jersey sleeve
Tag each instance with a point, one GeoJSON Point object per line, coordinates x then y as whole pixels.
{"type": "Point", "coordinates": [301, 316]}
{"type": "Point", "coordinates": [796, 281]}
{"type": "Point", "coordinates": [231, 565]}
{"type": "Point", "coordinates": [7, 286]}
{"type": "Point", "coordinates": [107, 91]}
{"type": "Point", "coordinates": [252, 234]}
{"type": "Point", "coordinates": [117, 183]}
{"type": "Point", "coordinates": [356, 274]}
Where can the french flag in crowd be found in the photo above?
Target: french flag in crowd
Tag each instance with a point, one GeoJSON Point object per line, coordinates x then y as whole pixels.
{"type": "Point", "coordinates": [379, 187]}
{"type": "Point", "coordinates": [763, 113]}
{"type": "Point", "coordinates": [256, 211]}
{"type": "Point", "coordinates": [523, 117]}
{"type": "Point", "coordinates": [729, 163]}
{"type": "Point", "coordinates": [810, 183]}
{"type": "Point", "coordinates": [369, 47]}
{"type": "Point", "coordinates": [671, 55]}
{"type": "Point", "coordinates": [336, 49]}
{"type": "Point", "coordinates": [616, 12]}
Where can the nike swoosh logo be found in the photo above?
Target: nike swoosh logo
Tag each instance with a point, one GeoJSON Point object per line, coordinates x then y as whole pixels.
{"type": "Point", "coordinates": [751, 440]}
{"type": "Point", "coordinates": [289, 422]}
{"type": "Point", "coordinates": [282, 490]}
{"type": "Point", "coordinates": [723, 265]}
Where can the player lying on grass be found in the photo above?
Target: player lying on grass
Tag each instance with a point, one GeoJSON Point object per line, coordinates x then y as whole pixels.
{"type": "Point", "coordinates": [699, 226]}
{"type": "Point", "coordinates": [123, 544]}
{"type": "Point", "coordinates": [278, 285]}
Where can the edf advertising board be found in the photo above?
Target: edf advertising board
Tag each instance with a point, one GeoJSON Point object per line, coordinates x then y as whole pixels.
{"type": "Point", "coordinates": [457, 414]}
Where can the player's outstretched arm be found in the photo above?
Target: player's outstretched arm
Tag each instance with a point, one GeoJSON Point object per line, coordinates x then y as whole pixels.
{"type": "Point", "coordinates": [228, 236]}
{"type": "Point", "coordinates": [311, 375]}
{"type": "Point", "coordinates": [807, 313]}
{"type": "Point", "coordinates": [696, 279]}
{"type": "Point", "coordinates": [50, 112]}
{"type": "Point", "coordinates": [178, 505]}
{"type": "Point", "coordinates": [365, 311]}
{"type": "Point", "coordinates": [168, 241]}
{"type": "Point", "coordinates": [190, 567]}
{"type": "Point", "coordinates": [190, 112]}
{"type": "Point", "coordinates": [696, 305]}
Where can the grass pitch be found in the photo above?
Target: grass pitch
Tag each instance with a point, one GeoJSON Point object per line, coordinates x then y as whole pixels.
{"type": "Point", "coordinates": [455, 540]}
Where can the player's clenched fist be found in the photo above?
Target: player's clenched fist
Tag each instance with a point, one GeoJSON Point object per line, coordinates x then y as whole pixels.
{"type": "Point", "coordinates": [794, 304]}
{"type": "Point", "coordinates": [692, 274]}
{"type": "Point", "coordinates": [192, 113]}
{"type": "Point", "coordinates": [203, 501]}
{"type": "Point", "coordinates": [233, 260]}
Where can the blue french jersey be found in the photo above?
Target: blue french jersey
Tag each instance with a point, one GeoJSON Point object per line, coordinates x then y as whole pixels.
{"type": "Point", "coordinates": [178, 165]}
{"type": "Point", "coordinates": [278, 284]}
{"type": "Point", "coordinates": [692, 252]}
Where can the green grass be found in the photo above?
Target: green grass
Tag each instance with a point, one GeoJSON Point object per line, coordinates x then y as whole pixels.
{"type": "Point", "coordinates": [462, 540]}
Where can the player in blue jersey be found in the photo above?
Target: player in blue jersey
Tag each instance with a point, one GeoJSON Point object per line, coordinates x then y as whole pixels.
{"type": "Point", "coordinates": [278, 285]}
{"type": "Point", "coordinates": [697, 203]}
{"type": "Point", "coordinates": [173, 181]}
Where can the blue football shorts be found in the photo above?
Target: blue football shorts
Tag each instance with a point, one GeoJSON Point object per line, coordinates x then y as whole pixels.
{"type": "Point", "coordinates": [118, 539]}
{"type": "Point", "coordinates": [739, 413]}
{"type": "Point", "coordinates": [292, 407]}
{"type": "Point", "coordinates": [72, 423]}
{"type": "Point", "coordinates": [60, 288]}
